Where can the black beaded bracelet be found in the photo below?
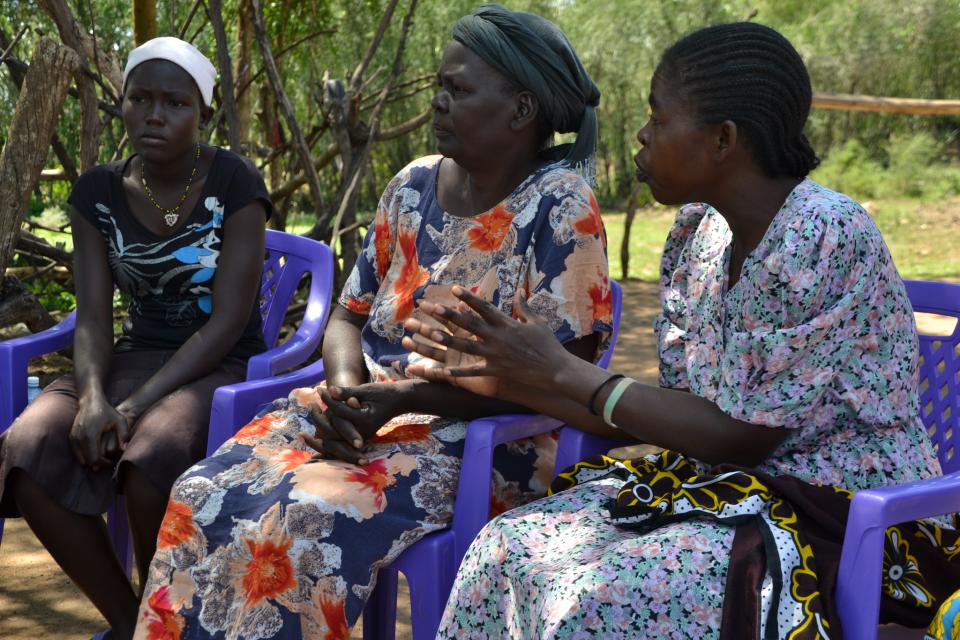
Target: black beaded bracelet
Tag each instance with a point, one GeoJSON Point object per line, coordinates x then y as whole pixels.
{"type": "Point", "coordinates": [593, 396]}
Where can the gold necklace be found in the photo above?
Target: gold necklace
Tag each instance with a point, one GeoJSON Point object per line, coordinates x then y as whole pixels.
{"type": "Point", "coordinates": [172, 214]}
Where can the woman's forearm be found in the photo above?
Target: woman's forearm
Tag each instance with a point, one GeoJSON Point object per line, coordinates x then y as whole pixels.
{"type": "Point", "coordinates": [441, 399]}
{"type": "Point", "coordinates": [667, 418]}
{"type": "Point", "coordinates": [342, 351]}
{"type": "Point", "coordinates": [92, 355]}
{"type": "Point", "coordinates": [199, 355]}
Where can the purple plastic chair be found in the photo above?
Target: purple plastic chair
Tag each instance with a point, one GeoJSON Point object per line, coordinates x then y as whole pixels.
{"type": "Point", "coordinates": [430, 565]}
{"type": "Point", "coordinates": [288, 258]}
{"type": "Point", "coordinates": [872, 511]}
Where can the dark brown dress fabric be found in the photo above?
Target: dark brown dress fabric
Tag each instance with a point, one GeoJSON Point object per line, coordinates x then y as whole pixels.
{"type": "Point", "coordinates": [169, 437]}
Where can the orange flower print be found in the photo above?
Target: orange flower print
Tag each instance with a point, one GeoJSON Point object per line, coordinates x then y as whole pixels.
{"type": "Point", "coordinates": [497, 506]}
{"type": "Point", "coordinates": [601, 299]}
{"type": "Point", "coordinates": [359, 306]}
{"type": "Point", "coordinates": [490, 229]}
{"type": "Point", "coordinates": [270, 572]}
{"type": "Point", "coordinates": [290, 459]}
{"type": "Point", "coordinates": [177, 526]}
{"type": "Point", "coordinates": [402, 433]}
{"type": "Point", "coordinates": [255, 428]}
{"type": "Point", "coordinates": [591, 224]}
{"type": "Point", "coordinates": [412, 275]}
{"type": "Point", "coordinates": [382, 243]}
{"type": "Point", "coordinates": [336, 618]}
{"type": "Point", "coordinates": [162, 622]}
{"type": "Point", "coordinates": [374, 478]}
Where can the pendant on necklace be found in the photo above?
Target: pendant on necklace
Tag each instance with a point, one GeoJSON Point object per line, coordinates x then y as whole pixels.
{"type": "Point", "coordinates": [171, 219]}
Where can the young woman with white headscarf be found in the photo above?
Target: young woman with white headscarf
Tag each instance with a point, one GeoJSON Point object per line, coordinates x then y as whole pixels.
{"type": "Point", "coordinates": [177, 227]}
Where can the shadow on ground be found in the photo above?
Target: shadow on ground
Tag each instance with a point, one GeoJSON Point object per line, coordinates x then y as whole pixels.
{"type": "Point", "coordinates": [38, 601]}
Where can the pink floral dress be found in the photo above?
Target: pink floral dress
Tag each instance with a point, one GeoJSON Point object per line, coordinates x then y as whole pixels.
{"type": "Point", "coordinates": [261, 540]}
{"type": "Point", "coordinates": [817, 337]}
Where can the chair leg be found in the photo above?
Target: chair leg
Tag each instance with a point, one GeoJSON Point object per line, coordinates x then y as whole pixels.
{"type": "Point", "coordinates": [427, 601]}
{"type": "Point", "coordinates": [430, 570]}
{"type": "Point", "coordinates": [380, 614]}
{"type": "Point", "coordinates": [120, 534]}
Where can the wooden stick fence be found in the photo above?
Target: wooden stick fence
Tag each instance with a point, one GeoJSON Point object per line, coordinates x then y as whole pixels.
{"type": "Point", "coordinates": [849, 102]}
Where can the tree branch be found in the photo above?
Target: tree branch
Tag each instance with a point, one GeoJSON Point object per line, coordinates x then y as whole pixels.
{"type": "Point", "coordinates": [34, 121]}
{"type": "Point", "coordinates": [333, 150]}
{"type": "Point", "coordinates": [360, 162]}
{"type": "Point", "coordinates": [37, 246]}
{"type": "Point", "coordinates": [226, 74]}
{"type": "Point", "coordinates": [356, 80]}
{"type": "Point", "coordinates": [89, 121]}
{"type": "Point", "coordinates": [303, 151]}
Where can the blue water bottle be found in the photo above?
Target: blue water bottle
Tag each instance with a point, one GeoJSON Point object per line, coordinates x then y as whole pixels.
{"type": "Point", "coordinates": [33, 388]}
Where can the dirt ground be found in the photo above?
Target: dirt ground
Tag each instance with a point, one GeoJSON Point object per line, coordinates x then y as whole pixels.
{"type": "Point", "coordinates": [38, 601]}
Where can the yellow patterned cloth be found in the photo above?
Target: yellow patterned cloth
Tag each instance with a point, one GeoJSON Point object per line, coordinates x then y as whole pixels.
{"type": "Point", "coordinates": [946, 624]}
{"type": "Point", "coordinates": [793, 528]}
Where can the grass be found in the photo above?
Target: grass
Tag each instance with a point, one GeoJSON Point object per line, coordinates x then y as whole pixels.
{"type": "Point", "coordinates": [650, 228]}
{"type": "Point", "coordinates": [922, 236]}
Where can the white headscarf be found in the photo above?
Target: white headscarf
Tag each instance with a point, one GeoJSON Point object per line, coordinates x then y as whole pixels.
{"type": "Point", "coordinates": [181, 53]}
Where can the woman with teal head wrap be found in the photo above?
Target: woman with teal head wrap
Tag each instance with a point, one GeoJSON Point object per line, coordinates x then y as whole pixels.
{"type": "Point", "coordinates": [534, 53]}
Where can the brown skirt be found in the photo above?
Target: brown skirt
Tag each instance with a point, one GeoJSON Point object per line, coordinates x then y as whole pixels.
{"type": "Point", "coordinates": [169, 437]}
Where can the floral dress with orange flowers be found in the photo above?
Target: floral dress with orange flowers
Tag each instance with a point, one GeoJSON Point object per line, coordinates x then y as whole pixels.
{"type": "Point", "coordinates": [263, 541]}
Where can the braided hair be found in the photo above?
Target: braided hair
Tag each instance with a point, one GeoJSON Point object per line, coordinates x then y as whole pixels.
{"type": "Point", "coordinates": [752, 75]}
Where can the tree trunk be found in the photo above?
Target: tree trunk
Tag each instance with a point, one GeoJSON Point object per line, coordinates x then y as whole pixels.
{"type": "Point", "coordinates": [19, 305]}
{"type": "Point", "coordinates": [274, 135]}
{"type": "Point", "coordinates": [244, 70]}
{"type": "Point", "coordinates": [632, 205]}
{"type": "Point", "coordinates": [226, 75]}
{"type": "Point", "coordinates": [34, 122]}
{"type": "Point", "coordinates": [90, 124]}
{"type": "Point", "coordinates": [144, 21]}
{"type": "Point", "coordinates": [17, 73]}
{"type": "Point", "coordinates": [276, 83]}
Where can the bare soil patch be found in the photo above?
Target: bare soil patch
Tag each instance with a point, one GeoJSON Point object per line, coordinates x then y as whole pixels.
{"type": "Point", "coordinates": [38, 601]}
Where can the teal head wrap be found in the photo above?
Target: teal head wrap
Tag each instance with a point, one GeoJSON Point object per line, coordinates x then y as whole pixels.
{"type": "Point", "coordinates": [535, 54]}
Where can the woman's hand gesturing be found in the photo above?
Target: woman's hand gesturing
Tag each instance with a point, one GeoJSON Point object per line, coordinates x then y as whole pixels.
{"type": "Point", "coordinates": [484, 350]}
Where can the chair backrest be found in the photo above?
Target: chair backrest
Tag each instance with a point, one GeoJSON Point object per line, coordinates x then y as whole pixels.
{"type": "Point", "coordinates": [939, 385]}
{"type": "Point", "coordinates": [288, 257]}
{"type": "Point", "coordinates": [616, 293]}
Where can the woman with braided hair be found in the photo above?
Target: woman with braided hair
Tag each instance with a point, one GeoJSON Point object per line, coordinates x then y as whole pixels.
{"type": "Point", "coordinates": [788, 368]}
{"type": "Point", "coordinates": [265, 539]}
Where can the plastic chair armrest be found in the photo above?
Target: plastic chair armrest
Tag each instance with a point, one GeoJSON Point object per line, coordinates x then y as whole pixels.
{"type": "Point", "coordinates": [234, 405]}
{"type": "Point", "coordinates": [15, 354]}
{"type": "Point", "coordinates": [861, 562]}
{"type": "Point", "coordinates": [298, 348]}
{"type": "Point", "coordinates": [305, 341]}
{"type": "Point", "coordinates": [472, 509]}
{"type": "Point", "coordinates": [576, 445]}
{"type": "Point", "coordinates": [59, 336]}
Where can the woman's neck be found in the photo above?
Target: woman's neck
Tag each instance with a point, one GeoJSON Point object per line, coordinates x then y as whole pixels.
{"type": "Point", "coordinates": [477, 189]}
{"type": "Point", "coordinates": [176, 171]}
{"type": "Point", "coordinates": [749, 204]}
